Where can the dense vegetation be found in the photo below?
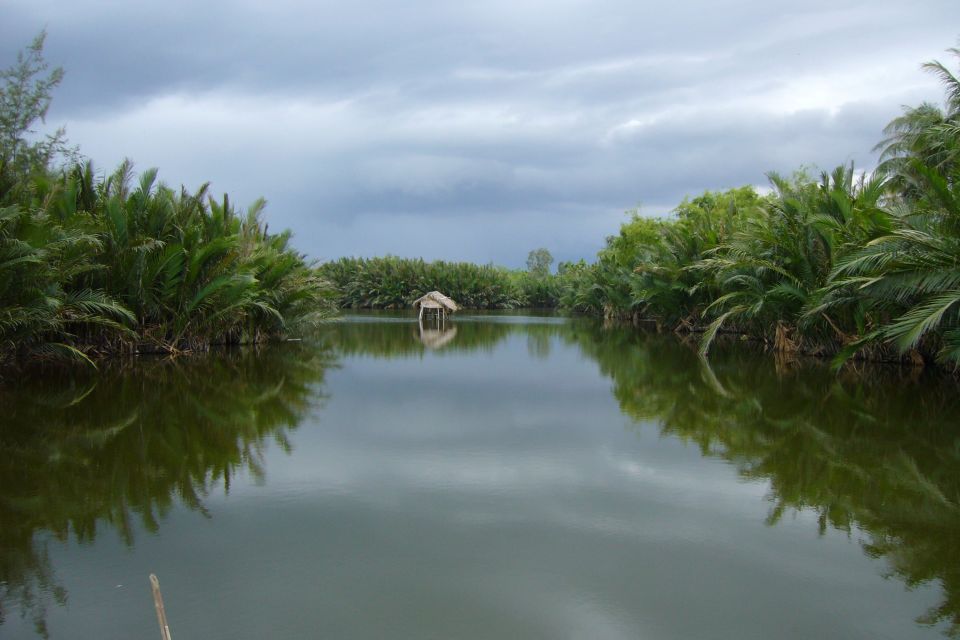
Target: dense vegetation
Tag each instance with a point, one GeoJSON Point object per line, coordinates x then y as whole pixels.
{"type": "Point", "coordinates": [394, 283]}
{"type": "Point", "coordinates": [842, 263]}
{"type": "Point", "coordinates": [93, 264]}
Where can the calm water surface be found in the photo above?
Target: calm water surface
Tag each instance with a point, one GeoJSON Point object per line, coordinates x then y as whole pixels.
{"type": "Point", "coordinates": [510, 477]}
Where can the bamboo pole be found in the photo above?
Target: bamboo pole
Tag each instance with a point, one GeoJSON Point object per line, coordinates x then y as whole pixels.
{"type": "Point", "coordinates": [161, 613]}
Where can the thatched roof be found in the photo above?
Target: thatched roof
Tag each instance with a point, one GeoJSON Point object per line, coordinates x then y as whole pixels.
{"type": "Point", "coordinates": [435, 300]}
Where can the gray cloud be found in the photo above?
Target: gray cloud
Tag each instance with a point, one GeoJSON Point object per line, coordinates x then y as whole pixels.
{"type": "Point", "coordinates": [485, 128]}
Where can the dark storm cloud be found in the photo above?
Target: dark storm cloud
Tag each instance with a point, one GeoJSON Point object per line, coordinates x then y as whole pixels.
{"type": "Point", "coordinates": [487, 128]}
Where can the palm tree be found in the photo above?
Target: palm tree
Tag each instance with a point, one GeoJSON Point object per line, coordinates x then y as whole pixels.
{"type": "Point", "coordinates": [928, 134]}
{"type": "Point", "coordinates": [44, 309]}
{"type": "Point", "coordinates": [912, 275]}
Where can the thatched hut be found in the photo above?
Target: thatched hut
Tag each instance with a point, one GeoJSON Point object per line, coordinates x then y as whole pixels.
{"type": "Point", "coordinates": [435, 300]}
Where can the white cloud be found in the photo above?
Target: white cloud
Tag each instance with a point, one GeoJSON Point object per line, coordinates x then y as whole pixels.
{"type": "Point", "coordinates": [385, 125]}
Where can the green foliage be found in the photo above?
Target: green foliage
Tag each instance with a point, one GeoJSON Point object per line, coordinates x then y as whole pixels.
{"type": "Point", "coordinates": [924, 136]}
{"type": "Point", "coordinates": [45, 305]}
{"type": "Point", "coordinates": [646, 271]}
{"type": "Point", "coordinates": [538, 262]}
{"type": "Point", "coordinates": [394, 283]}
{"type": "Point", "coordinates": [25, 96]}
{"type": "Point", "coordinates": [910, 277]}
{"type": "Point", "coordinates": [195, 271]}
{"type": "Point", "coordinates": [771, 272]}
{"type": "Point", "coordinates": [579, 285]}
{"type": "Point", "coordinates": [92, 265]}
{"type": "Point", "coordinates": [845, 264]}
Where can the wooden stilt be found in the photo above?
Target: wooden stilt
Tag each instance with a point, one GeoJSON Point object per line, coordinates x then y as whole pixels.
{"type": "Point", "coordinates": [158, 603]}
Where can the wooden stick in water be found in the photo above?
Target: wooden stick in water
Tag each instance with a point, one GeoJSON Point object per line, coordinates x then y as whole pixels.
{"type": "Point", "coordinates": [158, 603]}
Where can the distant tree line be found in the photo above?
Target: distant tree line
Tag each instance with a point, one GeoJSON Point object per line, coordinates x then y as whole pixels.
{"type": "Point", "coordinates": [394, 283]}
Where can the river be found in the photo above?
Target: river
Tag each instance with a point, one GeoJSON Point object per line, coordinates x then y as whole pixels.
{"type": "Point", "coordinates": [503, 476]}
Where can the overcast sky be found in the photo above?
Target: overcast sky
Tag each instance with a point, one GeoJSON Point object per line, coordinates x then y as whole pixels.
{"type": "Point", "coordinates": [478, 130]}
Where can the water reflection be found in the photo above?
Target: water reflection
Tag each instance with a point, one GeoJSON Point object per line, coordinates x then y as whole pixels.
{"type": "Point", "coordinates": [394, 336]}
{"type": "Point", "coordinates": [873, 454]}
{"type": "Point", "coordinates": [126, 445]}
{"type": "Point", "coordinates": [436, 338]}
{"type": "Point", "coordinates": [876, 451]}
